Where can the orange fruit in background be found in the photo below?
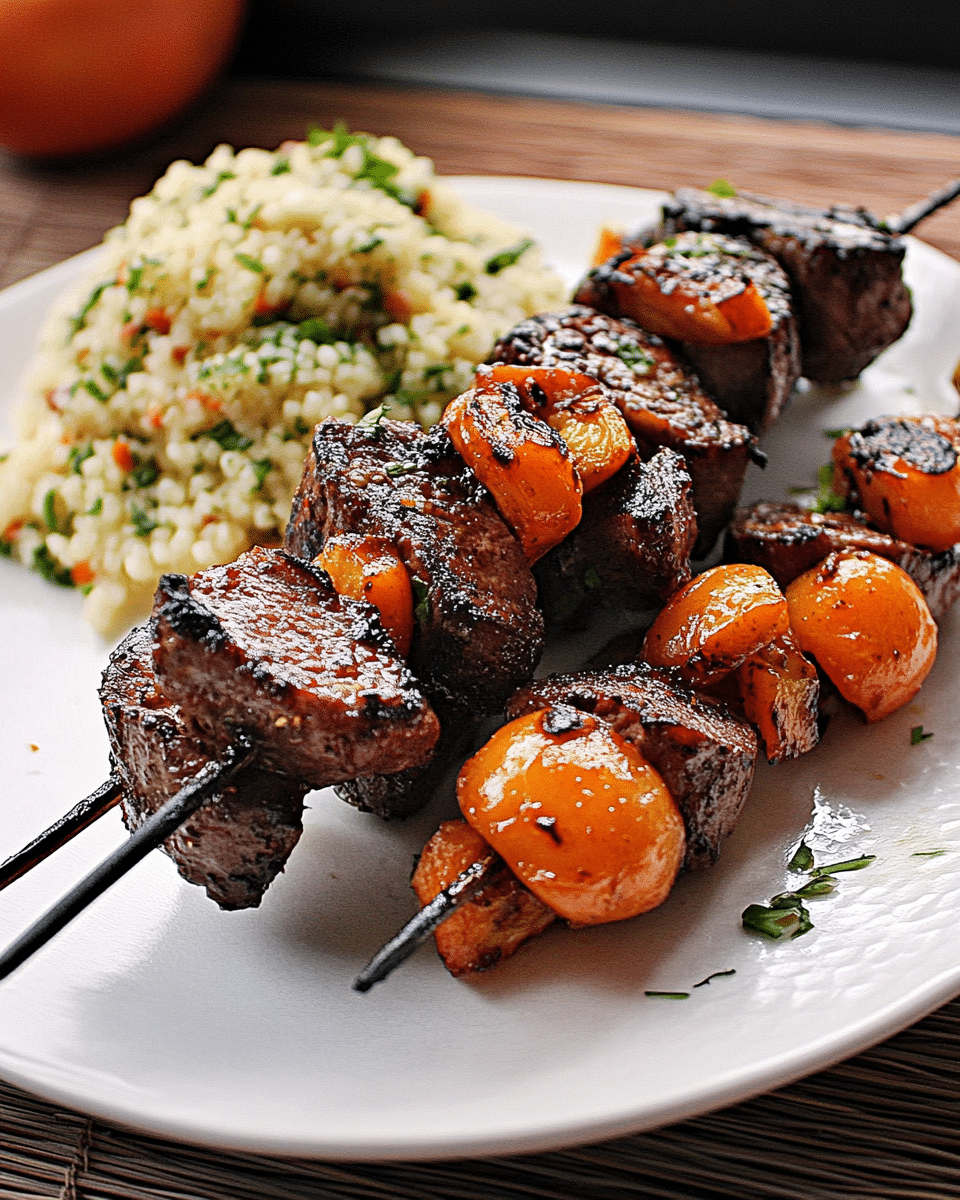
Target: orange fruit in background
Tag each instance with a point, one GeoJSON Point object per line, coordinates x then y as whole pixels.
{"type": "Point", "coordinates": [82, 76]}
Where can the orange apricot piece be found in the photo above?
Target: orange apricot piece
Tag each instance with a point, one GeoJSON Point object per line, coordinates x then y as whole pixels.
{"type": "Point", "coordinates": [523, 463]}
{"type": "Point", "coordinates": [369, 568]}
{"type": "Point", "coordinates": [496, 921]}
{"type": "Point", "coordinates": [905, 472]}
{"type": "Point", "coordinates": [868, 626]}
{"type": "Point", "coordinates": [780, 692]}
{"type": "Point", "coordinates": [716, 622]}
{"type": "Point", "coordinates": [579, 408]}
{"type": "Point", "coordinates": [576, 813]}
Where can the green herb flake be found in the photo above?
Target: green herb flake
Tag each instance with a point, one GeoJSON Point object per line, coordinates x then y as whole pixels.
{"type": "Point", "coordinates": [635, 357]}
{"type": "Point", "coordinates": [143, 523]}
{"type": "Point", "coordinates": [262, 468]}
{"type": "Point", "coordinates": [421, 599]}
{"type": "Point", "coordinates": [145, 473]}
{"type": "Point", "coordinates": [281, 167]}
{"type": "Point", "coordinates": [315, 329]}
{"type": "Point", "coordinates": [465, 291]}
{"type": "Point", "coordinates": [827, 500]}
{"type": "Point", "coordinates": [370, 244]}
{"type": "Point", "coordinates": [775, 923]}
{"type": "Point", "coordinates": [90, 385]}
{"type": "Point", "coordinates": [227, 437]}
{"type": "Point", "coordinates": [221, 178]}
{"type": "Point", "coordinates": [722, 189]}
{"type": "Point", "coordinates": [393, 469]}
{"type": "Point", "coordinates": [833, 434]}
{"type": "Point", "coordinates": [668, 995]}
{"type": "Point", "coordinates": [96, 508]}
{"type": "Point", "coordinates": [929, 853]}
{"type": "Point", "coordinates": [252, 264]}
{"type": "Point", "coordinates": [79, 320]}
{"type": "Point", "coordinates": [207, 276]}
{"type": "Point", "coordinates": [918, 735]}
{"type": "Point", "coordinates": [507, 258]}
{"type": "Point", "coordinates": [715, 975]}
{"type": "Point", "coordinates": [78, 456]}
{"type": "Point", "coordinates": [253, 216]}
{"type": "Point", "coordinates": [46, 565]}
{"type": "Point", "coordinates": [802, 858]}
{"type": "Point", "coordinates": [50, 510]}
{"type": "Point", "coordinates": [850, 864]}
{"type": "Point", "coordinates": [373, 418]}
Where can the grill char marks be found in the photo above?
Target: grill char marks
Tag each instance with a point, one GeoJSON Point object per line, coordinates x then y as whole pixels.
{"type": "Point", "coordinates": [705, 754]}
{"type": "Point", "coordinates": [632, 547]}
{"type": "Point", "coordinates": [266, 645]}
{"type": "Point", "coordinates": [240, 839]}
{"type": "Point", "coordinates": [845, 273]}
{"type": "Point", "coordinates": [663, 403]}
{"type": "Point", "coordinates": [750, 380]}
{"type": "Point", "coordinates": [479, 634]}
{"type": "Point", "coordinates": [787, 540]}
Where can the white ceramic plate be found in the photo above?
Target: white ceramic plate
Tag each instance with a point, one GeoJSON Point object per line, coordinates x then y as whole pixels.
{"type": "Point", "coordinates": [156, 1010]}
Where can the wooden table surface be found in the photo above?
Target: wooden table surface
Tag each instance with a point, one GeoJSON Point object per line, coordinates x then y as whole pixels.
{"type": "Point", "coordinates": [883, 1124]}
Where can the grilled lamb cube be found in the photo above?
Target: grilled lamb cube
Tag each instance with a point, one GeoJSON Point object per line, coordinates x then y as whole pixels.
{"type": "Point", "coordinates": [632, 547]}
{"type": "Point", "coordinates": [239, 840]}
{"type": "Point", "coordinates": [704, 752]}
{"type": "Point", "coordinates": [845, 272]}
{"type": "Point", "coordinates": [663, 403]}
{"type": "Point", "coordinates": [265, 645]}
{"type": "Point", "coordinates": [750, 380]}
{"type": "Point", "coordinates": [787, 540]}
{"type": "Point", "coordinates": [479, 634]}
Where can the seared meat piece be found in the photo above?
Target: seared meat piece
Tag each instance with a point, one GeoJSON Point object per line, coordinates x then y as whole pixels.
{"type": "Point", "coordinates": [705, 754]}
{"type": "Point", "coordinates": [240, 839]}
{"type": "Point", "coordinates": [663, 403]}
{"type": "Point", "coordinates": [845, 272]}
{"type": "Point", "coordinates": [750, 380]}
{"type": "Point", "coordinates": [787, 540]}
{"type": "Point", "coordinates": [479, 633]}
{"type": "Point", "coordinates": [632, 547]}
{"type": "Point", "coordinates": [266, 645]}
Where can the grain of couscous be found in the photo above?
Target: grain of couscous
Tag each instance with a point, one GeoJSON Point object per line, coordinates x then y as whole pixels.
{"type": "Point", "coordinates": [170, 407]}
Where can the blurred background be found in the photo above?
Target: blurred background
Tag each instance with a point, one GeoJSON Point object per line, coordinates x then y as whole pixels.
{"type": "Point", "coordinates": [879, 62]}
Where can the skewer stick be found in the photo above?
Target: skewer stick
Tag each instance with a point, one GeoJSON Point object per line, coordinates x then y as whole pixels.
{"type": "Point", "coordinates": [910, 218]}
{"type": "Point", "coordinates": [150, 834]}
{"type": "Point", "coordinates": [60, 832]}
{"type": "Point", "coordinates": [418, 928]}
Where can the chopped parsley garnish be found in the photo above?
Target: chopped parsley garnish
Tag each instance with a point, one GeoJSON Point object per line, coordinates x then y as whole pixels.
{"type": "Point", "coordinates": [96, 508]}
{"type": "Point", "coordinates": [143, 523]}
{"type": "Point", "coordinates": [636, 358]}
{"type": "Point", "coordinates": [281, 167]}
{"type": "Point", "coordinates": [918, 735]}
{"type": "Point", "coordinates": [315, 329]}
{"type": "Point", "coordinates": [46, 565]}
{"type": "Point", "coordinates": [373, 418]}
{"type": "Point", "coordinates": [722, 189]}
{"type": "Point", "coordinates": [928, 853]}
{"type": "Point", "coordinates": [202, 283]}
{"type": "Point", "coordinates": [78, 456]}
{"type": "Point", "coordinates": [786, 915]}
{"type": "Point", "coordinates": [251, 263]}
{"type": "Point", "coordinates": [145, 473]}
{"type": "Point", "coordinates": [849, 864]}
{"type": "Point", "coordinates": [78, 321]}
{"type": "Point", "coordinates": [227, 436]}
{"type": "Point", "coordinates": [371, 244]}
{"type": "Point", "coordinates": [507, 258]}
{"type": "Point", "coordinates": [262, 468]}
{"type": "Point", "coordinates": [97, 392]}
{"type": "Point", "coordinates": [421, 600]}
{"type": "Point", "coordinates": [776, 923]}
{"type": "Point", "coordinates": [827, 500]}
{"type": "Point", "coordinates": [669, 995]}
{"type": "Point", "coordinates": [50, 511]}
{"type": "Point", "coordinates": [221, 178]}
{"type": "Point", "coordinates": [465, 291]}
{"type": "Point", "coordinates": [715, 975]}
{"type": "Point", "coordinates": [802, 858]}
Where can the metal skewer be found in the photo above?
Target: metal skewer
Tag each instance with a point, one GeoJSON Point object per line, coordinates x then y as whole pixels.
{"type": "Point", "coordinates": [60, 832]}
{"type": "Point", "coordinates": [149, 835]}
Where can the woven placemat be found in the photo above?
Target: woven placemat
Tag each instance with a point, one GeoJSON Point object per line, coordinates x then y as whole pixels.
{"type": "Point", "coordinates": [885, 1124]}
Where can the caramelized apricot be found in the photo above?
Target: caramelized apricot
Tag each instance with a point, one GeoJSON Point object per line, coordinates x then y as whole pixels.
{"type": "Point", "coordinates": [780, 691]}
{"type": "Point", "coordinates": [905, 472]}
{"type": "Point", "coordinates": [525, 465]}
{"type": "Point", "coordinates": [667, 292]}
{"type": "Point", "coordinates": [579, 408]}
{"type": "Point", "coordinates": [496, 921]}
{"type": "Point", "coordinates": [577, 813]}
{"type": "Point", "coordinates": [716, 622]}
{"type": "Point", "coordinates": [868, 626]}
{"type": "Point", "coordinates": [369, 568]}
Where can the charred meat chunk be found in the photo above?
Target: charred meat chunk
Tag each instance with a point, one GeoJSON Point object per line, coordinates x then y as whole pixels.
{"type": "Point", "coordinates": [705, 754]}
{"type": "Point", "coordinates": [632, 547]}
{"type": "Point", "coordinates": [787, 540]}
{"type": "Point", "coordinates": [750, 378]}
{"type": "Point", "coordinates": [266, 645]}
{"type": "Point", "coordinates": [663, 403]}
{"type": "Point", "coordinates": [845, 272]}
{"type": "Point", "coordinates": [479, 634]}
{"type": "Point", "coordinates": [239, 840]}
